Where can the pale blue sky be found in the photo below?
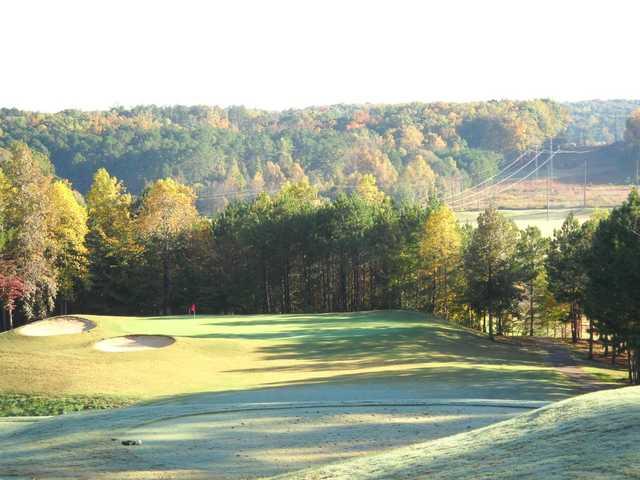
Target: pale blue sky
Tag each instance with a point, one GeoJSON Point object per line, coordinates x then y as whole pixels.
{"type": "Point", "coordinates": [281, 54]}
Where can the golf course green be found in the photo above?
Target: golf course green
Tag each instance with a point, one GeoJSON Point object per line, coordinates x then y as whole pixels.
{"type": "Point", "coordinates": [232, 353]}
{"type": "Point", "coordinates": [218, 397]}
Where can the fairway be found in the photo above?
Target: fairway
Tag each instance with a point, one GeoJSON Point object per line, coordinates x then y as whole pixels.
{"type": "Point", "coordinates": [391, 353]}
{"type": "Point", "coordinates": [252, 396]}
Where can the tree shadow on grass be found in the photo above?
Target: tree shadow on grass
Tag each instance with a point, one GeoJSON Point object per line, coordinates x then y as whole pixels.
{"type": "Point", "coordinates": [239, 446]}
{"type": "Point", "coordinates": [384, 345]}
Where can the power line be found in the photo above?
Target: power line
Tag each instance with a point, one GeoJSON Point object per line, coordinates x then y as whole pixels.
{"type": "Point", "coordinates": [520, 180]}
{"type": "Point", "coordinates": [487, 189]}
{"type": "Point", "coordinates": [501, 181]}
{"type": "Point", "coordinates": [455, 199]}
{"type": "Point", "coordinates": [501, 172]}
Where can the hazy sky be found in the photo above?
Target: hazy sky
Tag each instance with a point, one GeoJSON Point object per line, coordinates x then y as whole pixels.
{"type": "Point", "coordinates": [275, 54]}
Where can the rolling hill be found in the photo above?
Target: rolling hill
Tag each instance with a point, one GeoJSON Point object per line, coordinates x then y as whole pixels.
{"type": "Point", "coordinates": [590, 436]}
{"type": "Point", "coordinates": [251, 396]}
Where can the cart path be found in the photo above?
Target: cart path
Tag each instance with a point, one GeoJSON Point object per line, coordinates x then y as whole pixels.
{"type": "Point", "coordinates": [560, 357]}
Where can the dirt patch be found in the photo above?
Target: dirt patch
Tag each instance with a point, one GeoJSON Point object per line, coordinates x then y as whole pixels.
{"type": "Point", "coordinates": [56, 326]}
{"type": "Point", "coordinates": [134, 343]}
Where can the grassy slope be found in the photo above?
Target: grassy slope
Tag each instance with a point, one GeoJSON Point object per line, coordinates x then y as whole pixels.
{"type": "Point", "coordinates": [226, 353]}
{"type": "Point", "coordinates": [332, 357]}
{"type": "Point", "coordinates": [590, 436]}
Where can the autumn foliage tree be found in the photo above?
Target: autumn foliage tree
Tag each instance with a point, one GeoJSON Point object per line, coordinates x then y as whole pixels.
{"type": "Point", "coordinates": [632, 132]}
{"type": "Point", "coordinates": [69, 229]}
{"type": "Point", "coordinates": [12, 288]}
{"type": "Point", "coordinates": [167, 211]}
{"type": "Point", "coordinates": [441, 253]}
{"type": "Point", "coordinates": [29, 211]}
{"type": "Point", "coordinates": [111, 242]}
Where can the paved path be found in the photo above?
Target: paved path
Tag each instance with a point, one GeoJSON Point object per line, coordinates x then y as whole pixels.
{"type": "Point", "coordinates": [561, 358]}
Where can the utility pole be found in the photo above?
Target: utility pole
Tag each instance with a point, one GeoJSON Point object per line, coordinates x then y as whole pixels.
{"type": "Point", "coordinates": [549, 174]}
{"type": "Point", "coordinates": [584, 186]}
{"type": "Point", "coordinates": [551, 158]}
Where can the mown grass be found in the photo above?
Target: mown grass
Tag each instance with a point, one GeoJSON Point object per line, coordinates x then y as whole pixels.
{"type": "Point", "coordinates": [253, 359]}
{"type": "Point", "coordinates": [607, 374]}
{"type": "Point", "coordinates": [589, 436]}
{"type": "Point", "coordinates": [239, 353]}
{"type": "Point", "coordinates": [16, 404]}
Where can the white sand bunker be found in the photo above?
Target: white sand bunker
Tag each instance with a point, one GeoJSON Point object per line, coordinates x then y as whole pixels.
{"type": "Point", "coordinates": [56, 326]}
{"type": "Point", "coordinates": [134, 343]}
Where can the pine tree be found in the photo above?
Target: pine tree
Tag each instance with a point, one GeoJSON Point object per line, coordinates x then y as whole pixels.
{"type": "Point", "coordinates": [530, 256]}
{"type": "Point", "coordinates": [566, 270]}
{"type": "Point", "coordinates": [490, 267]}
{"type": "Point", "coordinates": [612, 298]}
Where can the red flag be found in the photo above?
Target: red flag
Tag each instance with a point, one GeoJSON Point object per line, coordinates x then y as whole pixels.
{"type": "Point", "coordinates": [193, 308]}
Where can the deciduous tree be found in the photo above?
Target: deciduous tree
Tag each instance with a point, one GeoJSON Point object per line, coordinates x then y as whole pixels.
{"type": "Point", "coordinates": [28, 212]}
{"type": "Point", "coordinates": [167, 211]}
{"type": "Point", "coordinates": [440, 252]}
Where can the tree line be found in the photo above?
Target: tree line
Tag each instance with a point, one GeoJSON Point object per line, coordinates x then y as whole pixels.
{"type": "Point", "coordinates": [112, 252]}
{"type": "Point", "coordinates": [501, 280]}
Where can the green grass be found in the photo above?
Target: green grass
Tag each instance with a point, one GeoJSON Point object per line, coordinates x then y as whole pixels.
{"type": "Point", "coordinates": [536, 217]}
{"type": "Point", "coordinates": [606, 374]}
{"type": "Point", "coordinates": [220, 364]}
{"type": "Point", "coordinates": [590, 436]}
{"type": "Point", "coordinates": [236, 353]}
{"type": "Point", "coordinates": [12, 405]}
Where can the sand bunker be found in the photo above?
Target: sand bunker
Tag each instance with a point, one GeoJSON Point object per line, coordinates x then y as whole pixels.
{"type": "Point", "coordinates": [56, 326]}
{"type": "Point", "coordinates": [134, 343]}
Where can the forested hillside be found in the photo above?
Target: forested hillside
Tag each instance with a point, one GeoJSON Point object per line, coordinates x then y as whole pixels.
{"type": "Point", "coordinates": [411, 149]}
{"type": "Point", "coordinates": [598, 122]}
